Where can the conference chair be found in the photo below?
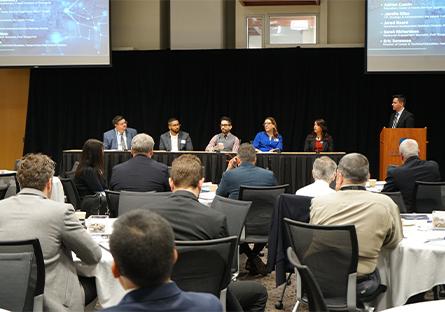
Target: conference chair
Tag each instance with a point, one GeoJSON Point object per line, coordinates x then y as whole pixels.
{"type": "Point", "coordinates": [205, 266]}
{"type": "Point", "coordinates": [295, 207]}
{"type": "Point", "coordinates": [331, 253]}
{"type": "Point", "coordinates": [398, 199]}
{"type": "Point", "coordinates": [429, 196]}
{"type": "Point", "coordinates": [22, 275]}
{"type": "Point", "coordinates": [71, 193]}
{"type": "Point", "coordinates": [236, 213]}
{"type": "Point", "coordinates": [258, 219]}
{"type": "Point", "coordinates": [72, 172]}
{"type": "Point", "coordinates": [306, 283]}
{"type": "Point", "coordinates": [133, 200]}
{"type": "Point", "coordinates": [113, 202]}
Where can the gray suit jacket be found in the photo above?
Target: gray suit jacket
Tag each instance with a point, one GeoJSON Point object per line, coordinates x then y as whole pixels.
{"type": "Point", "coordinates": [31, 215]}
{"type": "Point", "coordinates": [184, 141]}
{"type": "Point", "coordinates": [110, 138]}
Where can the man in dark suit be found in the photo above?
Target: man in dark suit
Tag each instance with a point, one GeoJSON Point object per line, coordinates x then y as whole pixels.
{"type": "Point", "coordinates": [401, 118]}
{"type": "Point", "coordinates": [241, 170]}
{"type": "Point", "coordinates": [120, 137]}
{"type": "Point", "coordinates": [140, 173]}
{"type": "Point", "coordinates": [413, 169]}
{"type": "Point", "coordinates": [143, 248]}
{"type": "Point", "coordinates": [175, 140]}
{"type": "Point", "coordinates": [31, 214]}
{"type": "Point", "coordinates": [192, 220]}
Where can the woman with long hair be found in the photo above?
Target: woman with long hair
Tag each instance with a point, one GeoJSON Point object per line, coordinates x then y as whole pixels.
{"type": "Point", "coordinates": [268, 140]}
{"type": "Point", "coordinates": [319, 140]}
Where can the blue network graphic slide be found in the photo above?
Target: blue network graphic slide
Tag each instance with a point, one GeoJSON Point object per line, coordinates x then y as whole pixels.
{"type": "Point", "coordinates": [54, 28]}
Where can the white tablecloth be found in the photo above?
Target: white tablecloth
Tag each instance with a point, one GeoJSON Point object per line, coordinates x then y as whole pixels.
{"type": "Point", "coordinates": [416, 265]}
{"type": "Point", "coordinates": [427, 306]}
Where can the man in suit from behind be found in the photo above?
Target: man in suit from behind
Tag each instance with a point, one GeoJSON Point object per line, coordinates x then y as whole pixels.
{"type": "Point", "coordinates": [120, 137]}
{"type": "Point", "coordinates": [401, 118]}
{"type": "Point", "coordinates": [175, 140]}
{"type": "Point", "coordinates": [31, 214]}
{"type": "Point", "coordinates": [140, 173]}
{"type": "Point", "coordinates": [143, 248]}
{"type": "Point", "coordinates": [241, 170]}
{"type": "Point", "coordinates": [413, 169]}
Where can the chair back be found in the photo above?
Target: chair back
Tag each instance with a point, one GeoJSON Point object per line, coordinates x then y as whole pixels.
{"type": "Point", "coordinates": [204, 266]}
{"type": "Point", "coordinates": [113, 202]}
{"type": "Point", "coordinates": [263, 200]}
{"type": "Point", "coordinates": [133, 200]}
{"type": "Point", "coordinates": [70, 190]}
{"type": "Point", "coordinates": [429, 196]}
{"type": "Point", "coordinates": [22, 273]}
{"type": "Point", "coordinates": [398, 199]}
{"type": "Point", "coordinates": [236, 213]}
{"type": "Point", "coordinates": [306, 280]}
{"type": "Point", "coordinates": [3, 190]}
{"type": "Point", "coordinates": [331, 253]}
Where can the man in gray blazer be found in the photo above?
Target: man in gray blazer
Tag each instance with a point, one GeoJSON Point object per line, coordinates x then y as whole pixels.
{"type": "Point", "coordinates": [30, 214]}
{"type": "Point", "coordinates": [120, 137]}
{"type": "Point", "coordinates": [175, 140]}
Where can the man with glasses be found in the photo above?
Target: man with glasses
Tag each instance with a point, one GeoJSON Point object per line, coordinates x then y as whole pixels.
{"type": "Point", "coordinates": [224, 141]}
{"type": "Point", "coordinates": [175, 140]}
{"type": "Point", "coordinates": [120, 137]}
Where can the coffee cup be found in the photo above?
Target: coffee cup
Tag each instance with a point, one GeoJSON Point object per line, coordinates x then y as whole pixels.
{"type": "Point", "coordinates": [372, 182]}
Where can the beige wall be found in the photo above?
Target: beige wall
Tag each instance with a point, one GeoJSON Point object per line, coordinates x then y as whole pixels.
{"type": "Point", "coordinates": [14, 85]}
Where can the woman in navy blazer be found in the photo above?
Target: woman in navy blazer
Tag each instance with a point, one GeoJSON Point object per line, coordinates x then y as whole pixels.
{"type": "Point", "coordinates": [319, 140]}
{"type": "Point", "coordinates": [268, 140]}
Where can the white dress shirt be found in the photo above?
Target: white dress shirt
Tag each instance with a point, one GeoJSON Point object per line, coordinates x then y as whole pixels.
{"type": "Point", "coordinates": [318, 188]}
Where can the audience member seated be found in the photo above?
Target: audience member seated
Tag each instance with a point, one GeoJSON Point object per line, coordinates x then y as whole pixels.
{"type": "Point", "coordinates": [140, 173]}
{"type": "Point", "coordinates": [323, 172]}
{"type": "Point", "coordinates": [241, 170]}
{"type": "Point", "coordinates": [30, 214]}
{"type": "Point", "coordinates": [192, 220]}
{"type": "Point", "coordinates": [143, 248]}
{"type": "Point", "coordinates": [224, 141]}
{"type": "Point", "coordinates": [120, 137]}
{"type": "Point", "coordinates": [319, 140]}
{"type": "Point", "coordinates": [268, 140]}
{"type": "Point", "coordinates": [175, 140]}
{"type": "Point", "coordinates": [89, 176]}
{"type": "Point", "coordinates": [375, 216]}
{"type": "Point", "coordinates": [413, 169]}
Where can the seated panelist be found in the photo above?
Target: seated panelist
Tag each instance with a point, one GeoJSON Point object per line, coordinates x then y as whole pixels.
{"type": "Point", "coordinates": [319, 140]}
{"type": "Point", "coordinates": [224, 141]}
{"type": "Point", "coordinates": [120, 137]}
{"type": "Point", "coordinates": [175, 140]}
{"type": "Point", "coordinates": [268, 140]}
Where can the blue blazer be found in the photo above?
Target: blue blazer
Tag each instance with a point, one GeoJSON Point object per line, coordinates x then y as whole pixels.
{"type": "Point", "coordinates": [264, 144]}
{"type": "Point", "coordinates": [167, 297]}
{"type": "Point", "coordinates": [110, 138]}
{"type": "Point", "coordinates": [245, 174]}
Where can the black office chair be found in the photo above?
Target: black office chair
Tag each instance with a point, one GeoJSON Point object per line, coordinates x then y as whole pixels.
{"type": "Point", "coordinates": [71, 193]}
{"type": "Point", "coordinates": [398, 199]}
{"type": "Point", "coordinates": [306, 283]}
{"type": "Point", "coordinates": [3, 190]}
{"type": "Point", "coordinates": [22, 274]}
{"type": "Point", "coordinates": [205, 266]}
{"type": "Point", "coordinates": [258, 219]}
{"type": "Point", "coordinates": [429, 196]}
{"type": "Point", "coordinates": [236, 212]}
{"type": "Point", "coordinates": [331, 253]}
{"type": "Point", "coordinates": [113, 202]}
{"type": "Point", "coordinates": [133, 200]}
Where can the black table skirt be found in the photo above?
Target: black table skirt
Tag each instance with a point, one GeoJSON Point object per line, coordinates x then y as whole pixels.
{"type": "Point", "coordinates": [290, 168]}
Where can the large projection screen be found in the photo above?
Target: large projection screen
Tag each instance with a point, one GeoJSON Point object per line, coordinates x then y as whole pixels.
{"type": "Point", "coordinates": [54, 32]}
{"type": "Point", "coordinates": [405, 35]}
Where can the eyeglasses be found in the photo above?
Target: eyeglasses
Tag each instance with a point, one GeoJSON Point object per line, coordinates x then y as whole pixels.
{"type": "Point", "coordinates": [225, 125]}
{"type": "Point", "coordinates": [267, 123]}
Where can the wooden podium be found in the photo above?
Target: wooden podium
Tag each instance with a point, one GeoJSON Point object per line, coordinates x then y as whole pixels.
{"type": "Point", "coordinates": [390, 139]}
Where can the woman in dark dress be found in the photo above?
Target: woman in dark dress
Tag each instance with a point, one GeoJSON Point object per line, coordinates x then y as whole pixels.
{"type": "Point", "coordinates": [89, 176]}
{"type": "Point", "coordinates": [319, 140]}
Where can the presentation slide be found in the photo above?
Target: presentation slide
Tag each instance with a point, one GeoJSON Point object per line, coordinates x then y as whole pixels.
{"type": "Point", "coordinates": [51, 33]}
{"type": "Point", "coordinates": [405, 35]}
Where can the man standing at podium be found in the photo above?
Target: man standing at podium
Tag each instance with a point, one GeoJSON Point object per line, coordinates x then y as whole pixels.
{"type": "Point", "coordinates": [401, 118]}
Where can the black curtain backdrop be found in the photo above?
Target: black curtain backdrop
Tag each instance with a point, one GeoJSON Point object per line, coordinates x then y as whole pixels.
{"type": "Point", "coordinates": [296, 86]}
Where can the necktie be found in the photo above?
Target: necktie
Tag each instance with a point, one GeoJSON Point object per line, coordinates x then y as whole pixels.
{"type": "Point", "coordinates": [124, 147]}
{"type": "Point", "coordinates": [396, 118]}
